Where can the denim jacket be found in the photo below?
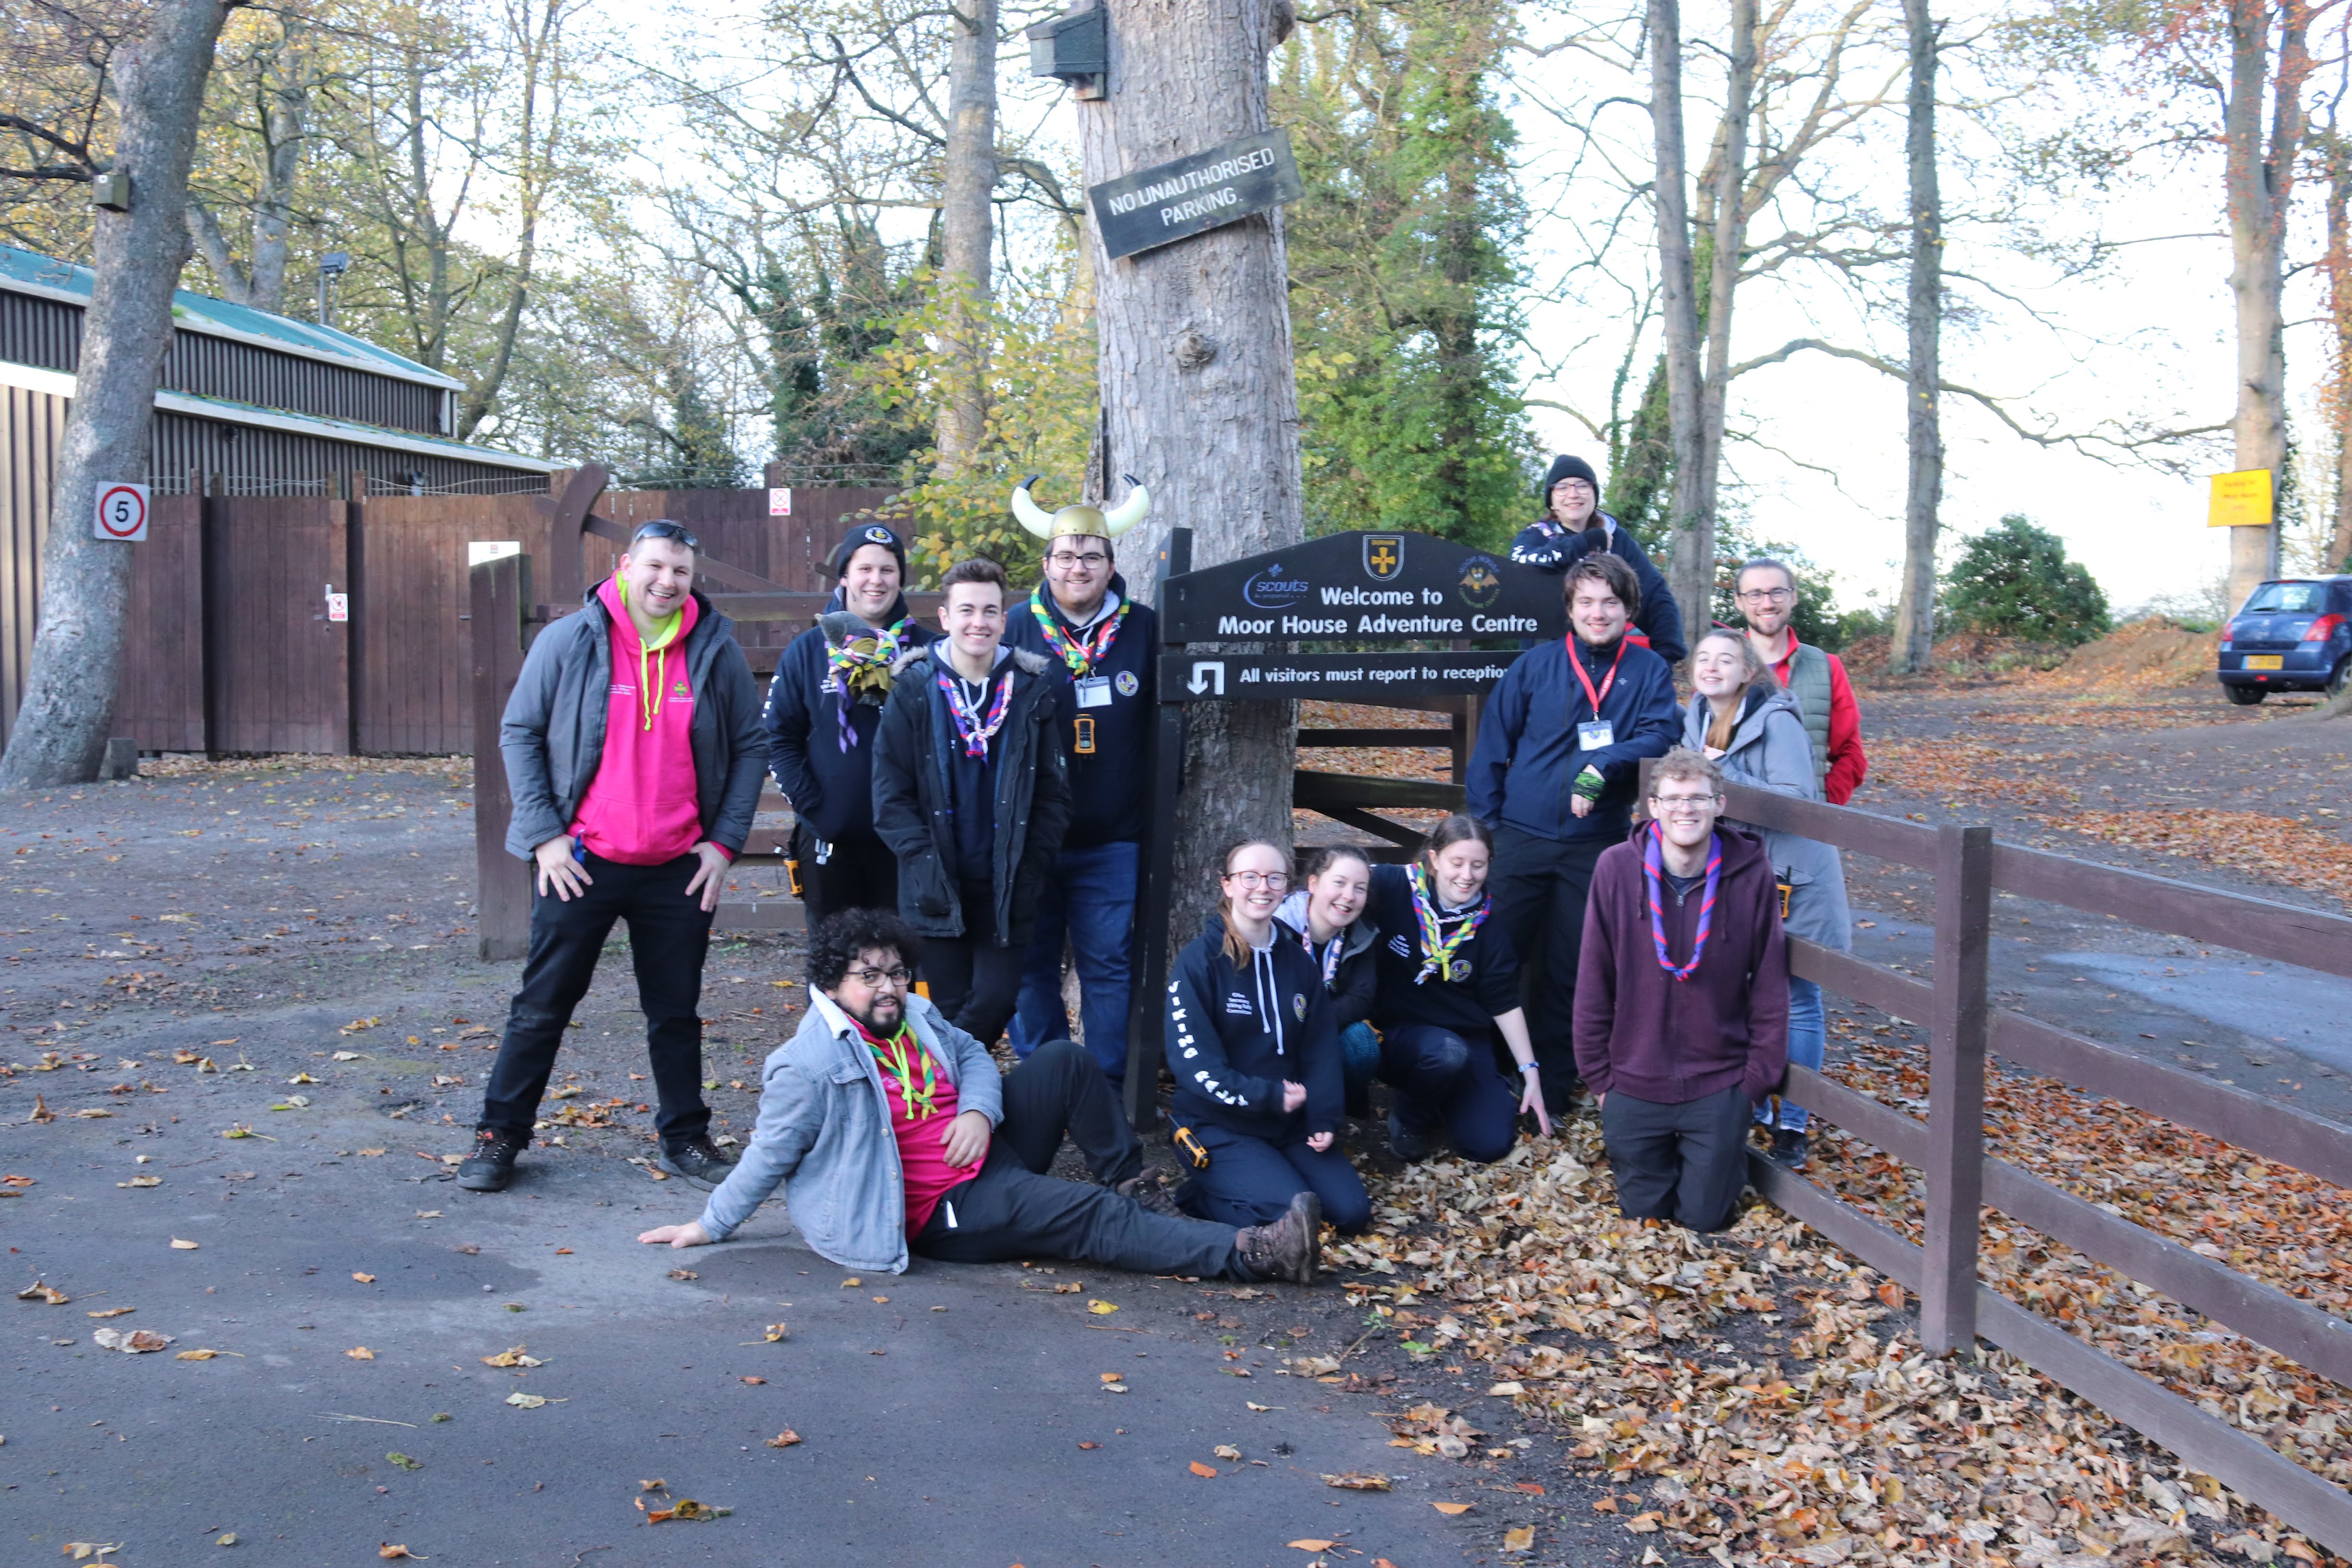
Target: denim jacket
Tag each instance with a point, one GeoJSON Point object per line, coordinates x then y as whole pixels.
{"type": "Point", "coordinates": [824, 1125]}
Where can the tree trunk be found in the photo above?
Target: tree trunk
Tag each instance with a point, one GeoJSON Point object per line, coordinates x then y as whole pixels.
{"type": "Point", "coordinates": [2258, 182]}
{"type": "Point", "coordinates": [1678, 302]}
{"type": "Point", "coordinates": [1695, 544]}
{"type": "Point", "coordinates": [967, 220]}
{"type": "Point", "coordinates": [69, 704]}
{"type": "Point", "coordinates": [1915, 612]}
{"type": "Point", "coordinates": [1199, 400]}
{"type": "Point", "coordinates": [2337, 263]}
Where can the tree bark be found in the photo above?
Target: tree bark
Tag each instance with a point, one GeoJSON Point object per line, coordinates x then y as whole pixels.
{"type": "Point", "coordinates": [2259, 178]}
{"type": "Point", "coordinates": [2337, 263]}
{"type": "Point", "coordinates": [1678, 301]}
{"type": "Point", "coordinates": [1198, 399]}
{"type": "Point", "coordinates": [967, 221]}
{"type": "Point", "coordinates": [68, 705]}
{"type": "Point", "coordinates": [282, 77]}
{"type": "Point", "coordinates": [1914, 611]}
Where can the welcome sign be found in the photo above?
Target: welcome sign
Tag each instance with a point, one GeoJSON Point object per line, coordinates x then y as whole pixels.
{"type": "Point", "coordinates": [1364, 587]}
{"type": "Point", "coordinates": [1175, 201]}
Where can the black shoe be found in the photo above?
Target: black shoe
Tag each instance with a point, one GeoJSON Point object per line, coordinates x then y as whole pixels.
{"type": "Point", "coordinates": [491, 1167]}
{"type": "Point", "coordinates": [1286, 1248]}
{"type": "Point", "coordinates": [1788, 1148]}
{"type": "Point", "coordinates": [1147, 1191]}
{"type": "Point", "coordinates": [1406, 1146]}
{"type": "Point", "coordinates": [697, 1165]}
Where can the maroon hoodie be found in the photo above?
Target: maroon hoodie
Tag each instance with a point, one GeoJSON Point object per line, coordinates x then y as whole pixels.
{"type": "Point", "coordinates": [1641, 1030]}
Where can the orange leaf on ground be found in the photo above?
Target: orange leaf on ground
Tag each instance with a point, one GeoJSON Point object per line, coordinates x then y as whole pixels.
{"type": "Point", "coordinates": [1892, 1294]}
{"type": "Point", "coordinates": [785, 1440]}
{"type": "Point", "coordinates": [755, 1381]}
{"type": "Point", "coordinates": [361, 1353]}
{"type": "Point", "coordinates": [1450, 1509]}
{"type": "Point", "coordinates": [1200, 1469]}
{"type": "Point", "coordinates": [1312, 1543]}
{"type": "Point", "coordinates": [364, 1279]}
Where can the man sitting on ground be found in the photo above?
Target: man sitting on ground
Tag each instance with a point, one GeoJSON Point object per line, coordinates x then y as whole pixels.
{"type": "Point", "coordinates": [898, 1132]}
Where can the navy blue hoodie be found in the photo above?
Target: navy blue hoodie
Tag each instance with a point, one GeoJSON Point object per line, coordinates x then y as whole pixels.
{"type": "Point", "coordinates": [1110, 784]}
{"type": "Point", "coordinates": [1527, 756]}
{"type": "Point", "coordinates": [831, 787]}
{"type": "Point", "coordinates": [1488, 971]}
{"type": "Point", "coordinates": [1236, 1031]}
{"type": "Point", "coordinates": [1547, 546]}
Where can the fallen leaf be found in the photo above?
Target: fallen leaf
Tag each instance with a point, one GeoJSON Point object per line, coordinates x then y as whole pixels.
{"type": "Point", "coordinates": [92, 1114]}
{"type": "Point", "coordinates": [1200, 1469]}
{"type": "Point", "coordinates": [301, 1078]}
{"type": "Point", "coordinates": [347, 1056]}
{"type": "Point", "coordinates": [1069, 1288]}
{"type": "Point", "coordinates": [1090, 1445]}
{"type": "Point", "coordinates": [847, 1283]}
{"type": "Point", "coordinates": [141, 1182]}
{"type": "Point", "coordinates": [512, 1357]}
{"type": "Point", "coordinates": [228, 1539]}
{"type": "Point", "coordinates": [522, 1401]}
{"type": "Point", "coordinates": [559, 1252]}
{"type": "Point", "coordinates": [1892, 1294]}
{"type": "Point", "coordinates": [1450, 1509]}
{"type": "Point", "coordinates": [1227, 1451]}
{"type": "Point", "coordinates": [37, 1291]}
{"type": "Point", "coordinates": [685, 1509]}
{"type": "Point", "coordinates": [41, 1112]}
{"type": "Point", "coordinates": [179, 1246]}
{"type": "Point", "coordinates": [405, 1462]}
{"type": "Point", "coordinates": [113, 1312]}
{"type": "Point", "coordinates": [879, 1300]}
{"type": "Point", "coordinates": [364, 1279]}
{"type": "Point", "coordinates": [1102, 1309]}
{"type": "Point", "coordinates": [1312, 1543]}
{"type": "Point", "coordinates": [1645, 1523]}
{"type": "Point", "coordinates": [389, 1551]}
{"type": "Point", "coordinates": [1605, 1505]}
{"type": "Point", "coordinates": [361, 1353]}
{"type": "Point", "coordinates": [774, 1332]}
{"type": "Point", "coordinates": [435, 1214]}
{"type": "Point", "coordinates": [1504, 1390]}
{"type": "Point", "coordinates": [1523, 1539]}
{"type": "Point", "coordinates": [684, 1274]}
{"type": "Point", "coordinates": [655, 1486]}
{"type": "Point", "coordinates": [138, 1342]}
{"type": "Point", "coordinates": [755, 1381]}
{"type": "Point", "coordinates": [1259, 1409]}
{"type": "Point", "coordinates": [77, 1550]}
{"type": "Point", "coordinates": [1358, 1481]}
{"type": "Point", "coordinates": [785, 1440]}
{"type": "Point", "coordinates": [1531, 1488]}
{"type": "Point", "coordinates": [195, 1355]}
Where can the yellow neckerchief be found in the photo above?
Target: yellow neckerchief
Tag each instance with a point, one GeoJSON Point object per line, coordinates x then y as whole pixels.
{"type": "Point", "coordinates": [650, 698]}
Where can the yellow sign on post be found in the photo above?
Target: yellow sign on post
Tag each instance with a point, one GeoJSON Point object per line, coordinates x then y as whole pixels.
{"type": "Point", "coordinates": [2240, 500]}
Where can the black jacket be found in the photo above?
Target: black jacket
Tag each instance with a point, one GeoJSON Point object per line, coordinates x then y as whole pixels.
{"type": "Point", "coordinates": [1111, 786]}
{"type": "Point", "coordinates": [913, 799]}
{"type": "Point", "coordinates": [1528, 753]}
{"type": "Point", "coordinates": [831, 787]}
{"type": "Point", "coordinates": [1236, 1031]}
{"type": "Point", "coordinates": [1467, 1005]}
{"type": "Point", "coordinates": [1547, 546]}
{"type": "Point", "coordinates": [1352, 988]}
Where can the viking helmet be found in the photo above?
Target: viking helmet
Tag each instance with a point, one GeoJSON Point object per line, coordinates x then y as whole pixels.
{"type": "Point", "coordinates": [1082, 522]}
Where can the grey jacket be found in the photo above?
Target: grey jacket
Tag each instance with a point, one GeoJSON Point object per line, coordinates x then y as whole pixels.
{"type": "Point", "coordinates": [552, 733]}
{"type": "Point", "coordinates": [1769, 750]}
{"type": "Point", "coordinates": [824, 1126]}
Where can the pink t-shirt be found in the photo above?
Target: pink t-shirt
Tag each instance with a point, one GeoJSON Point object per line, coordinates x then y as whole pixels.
{"type": "Point", "coordinates": [922, 1157]}
{"type": "Point", "coordinates": [642, 808]}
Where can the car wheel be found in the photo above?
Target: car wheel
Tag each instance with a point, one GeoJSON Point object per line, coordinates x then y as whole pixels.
{"type": "Point", "coordinates": [2246, 696]}
{"type": "Point", "coordinates": [2340, 677]}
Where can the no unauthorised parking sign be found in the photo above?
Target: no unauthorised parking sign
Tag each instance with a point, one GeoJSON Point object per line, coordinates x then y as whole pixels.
{"type": "Point", "coordinates": [121, 513]}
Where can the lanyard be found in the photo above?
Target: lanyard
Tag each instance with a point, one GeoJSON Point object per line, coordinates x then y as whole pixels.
{"type": "Point", "coordinates": [1088, 648]}
{"type": "Point", "coordinates": [1577, 664]}
{"type": "Point", "coordinates": [1651, 864]}
{"type": "Point", "coordinates": [970, 729]}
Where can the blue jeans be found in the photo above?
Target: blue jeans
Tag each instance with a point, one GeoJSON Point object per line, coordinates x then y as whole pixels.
{"type": "Point", "coordinates": [1359, 1058]}
{"type": "Point", "coordinates": [1090, 901]}
{"type": "Point", "coordinates": [1808, 1036]}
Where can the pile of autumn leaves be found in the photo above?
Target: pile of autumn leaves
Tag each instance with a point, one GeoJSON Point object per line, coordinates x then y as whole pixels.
{"type": "Point", "coordinates": [1843, 1444]}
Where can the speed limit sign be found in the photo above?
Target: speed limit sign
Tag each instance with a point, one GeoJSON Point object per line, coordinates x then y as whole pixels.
{"type": "Point", "coordinates": [121, 511]}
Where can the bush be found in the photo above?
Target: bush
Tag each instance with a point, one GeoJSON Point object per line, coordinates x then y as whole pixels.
{"type": "Point", "coordinates": [2015, 580]}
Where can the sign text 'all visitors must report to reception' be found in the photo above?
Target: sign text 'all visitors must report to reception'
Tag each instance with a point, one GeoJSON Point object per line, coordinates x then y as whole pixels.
{"type": "Point", "coordinates": [1175, 201]}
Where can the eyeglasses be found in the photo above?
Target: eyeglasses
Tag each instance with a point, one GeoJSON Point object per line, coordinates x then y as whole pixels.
{"type": "Point", "coordinates": [1090, 559]}
{"type": "Point", "coordinates": [1682, 804]}
{"type": "Point", "coordinates": [874, 979]}
{"type": "Point", "coordinates": [1277, 880]}
{"type": "Point", "coordinates": [664, 529]}
{"type": "Point", "coordinates": [1766, 595]}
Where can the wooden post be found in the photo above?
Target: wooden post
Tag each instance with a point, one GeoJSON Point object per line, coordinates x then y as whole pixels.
{"type": "Point", "coordinates": [1147, 961]}
{"type": "Point", "coordinates": [355, 629]}
{"type": "Point", "coordinates": [502, 883]}
{"type": "Point", "coordinates": [211, 636]}
{"type": "Point", "coordinates": [1956, 1089]}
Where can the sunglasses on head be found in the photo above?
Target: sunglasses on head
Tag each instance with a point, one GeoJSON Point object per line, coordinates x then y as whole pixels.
{"type": "Point", "coordinates": [665, 529]}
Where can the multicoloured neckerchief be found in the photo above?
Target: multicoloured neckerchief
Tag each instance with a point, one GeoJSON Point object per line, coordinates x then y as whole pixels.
{"type": "Point", "coordinates": [859, 666]}
{"type": "Point", "coordinates": [970, 729]}
{"type": "Point", "coordinates": [1438, 948]}
{"type": "Point", "coordinates": [1652, 865]}
{"type": "Point", "coordinates": [920, 1104]}
{"type": "Point", "coordinates": [1330, 958]}
{"type": "Point", "coordinates": [1089, 647]}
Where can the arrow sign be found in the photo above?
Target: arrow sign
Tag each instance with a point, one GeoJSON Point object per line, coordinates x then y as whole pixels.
{"type": "Point", "coordinates": [1207, 675]}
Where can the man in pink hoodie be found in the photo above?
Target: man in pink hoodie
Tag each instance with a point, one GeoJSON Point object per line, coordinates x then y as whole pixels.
{"type": "Point", "coordinates": [634, 753]}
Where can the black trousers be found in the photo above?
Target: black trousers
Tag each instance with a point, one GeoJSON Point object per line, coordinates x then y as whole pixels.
{"type": "Point", "coordinates": [857, 873]}
{"type": "Point", "coordinates": [1445, 1080]}
{"type": "Point", "coordinates": [1684, 1163]}
{"type": "Point", "coordinates": [973, 981]}
{"type": "Point", "coordinates": [1539, 886]}
{"type": "Point", "coordinates": [668, 934]}
{"type": "Point", "coordinates": [1013, 1209]}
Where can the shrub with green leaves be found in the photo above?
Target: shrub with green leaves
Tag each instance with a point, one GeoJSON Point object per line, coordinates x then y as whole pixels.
{"type": "Point", "coordinates": [2015, 580]}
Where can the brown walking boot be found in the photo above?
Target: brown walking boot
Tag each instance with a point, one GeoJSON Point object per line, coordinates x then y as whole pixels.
{"type": "Point", "coordinates": [1286, 1248]}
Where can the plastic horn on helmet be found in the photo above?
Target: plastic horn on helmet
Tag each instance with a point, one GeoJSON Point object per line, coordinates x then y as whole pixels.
{"type": "Point", "coordinates": [1130, 511]}
{"type": "Point", "coordinates": [1028, 513]}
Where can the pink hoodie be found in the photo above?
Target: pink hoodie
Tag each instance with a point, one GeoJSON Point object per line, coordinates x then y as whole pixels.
{"type": "Point", "coordinates": [641, 808]}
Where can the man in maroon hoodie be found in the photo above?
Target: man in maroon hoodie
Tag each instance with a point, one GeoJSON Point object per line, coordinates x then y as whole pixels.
{"type": "Point", "coordinates": [1682, 999]}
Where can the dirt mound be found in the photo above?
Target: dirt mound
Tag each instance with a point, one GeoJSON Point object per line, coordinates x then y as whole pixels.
{"type": "Point", "coordinates": [2151, 653]}
{"type": "Point", "coordinates": [1970, 657]}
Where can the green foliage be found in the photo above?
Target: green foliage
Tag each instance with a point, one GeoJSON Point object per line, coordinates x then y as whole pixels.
{"type": "Point", "coordinates": [1641, 466]}
{"type": "Point", "coordinates": [2014, 580]}
{"type": "Point", "coordinates": [1403, 271]}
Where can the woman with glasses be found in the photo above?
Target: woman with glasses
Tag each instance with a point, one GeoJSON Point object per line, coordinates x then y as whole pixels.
{"type": "Point", "coordinates": [1742, 720]}
{"type": "Point", "coordinates": [1449, 983]}
{"type": "Point", "coordinates": [1258, 1080]}
{"type": "Point", "coordinates": [1321, 916]}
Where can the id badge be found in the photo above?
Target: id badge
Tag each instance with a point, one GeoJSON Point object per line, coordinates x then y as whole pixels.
{"type": "Point", "coordinates": [1594, 734]}
{"type": "Point", "coordinates": [1094, 691]}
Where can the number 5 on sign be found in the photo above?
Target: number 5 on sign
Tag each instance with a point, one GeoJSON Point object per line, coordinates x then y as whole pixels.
{"type": "Point", "coordinates": [121, 513]}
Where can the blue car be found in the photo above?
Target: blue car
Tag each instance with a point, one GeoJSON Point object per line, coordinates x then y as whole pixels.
{"type": "Point", "coordinates": [2294, 635]}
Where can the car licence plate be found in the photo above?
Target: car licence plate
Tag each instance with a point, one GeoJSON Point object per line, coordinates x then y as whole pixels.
{"type": "Point", "coordinates": [2265, 661]}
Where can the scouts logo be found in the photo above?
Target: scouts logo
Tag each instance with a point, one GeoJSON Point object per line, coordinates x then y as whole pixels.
{"type": "Point", "coordinates": [1383, 556]}
{"type": "Point", "coordinates": [1481, 581]}
{"type": "Point", "coordinates": [1298, 1005]}
{"type": "Point", "coordinates": [1273, 589]}
{"type": "Point", "coordinates": [1127, 683]}
{"type": "Point", "coordinates": [882, 536]}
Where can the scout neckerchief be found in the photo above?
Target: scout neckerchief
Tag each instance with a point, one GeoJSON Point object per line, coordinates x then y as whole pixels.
{"type": "Point", "coordinates": [1438, 948]}
{"type": "Point", "coordinates": [1088, 648]}
{"type": "Point", "coordinates": [649, 692]}
{"type": "Point", "coordinates": [891, 1055]}
{"type": "Point", "coordinates": [1576, 664]}
{"type": "Point", "coordinates": [1651, 865]}
{"type": "Point", "coordinates": [860, 666]}
{"type": "Point", "coordinates": [1330, 958]}
{"type": "Point", "coordinates": [974, 731]}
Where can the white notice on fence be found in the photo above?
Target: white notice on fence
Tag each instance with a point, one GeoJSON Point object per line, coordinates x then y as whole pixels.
{"type": "Point", "coordinates": [121, 513]}
{"type": "Point", "coordinates": [780, 502]}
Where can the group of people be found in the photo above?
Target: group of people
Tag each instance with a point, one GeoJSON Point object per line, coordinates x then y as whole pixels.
{"type": "Point", "coordinates": [969, 806]}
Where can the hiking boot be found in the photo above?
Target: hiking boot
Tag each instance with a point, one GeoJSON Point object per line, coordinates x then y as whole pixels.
{"type": "Point", "coordinates": [697, 1165]}
{"type": "Point", "coordinates": [1788, 1148]}
{"type": "Point", "coordinates": [1286, 1248]}
{"type": "Point", "coordinates": [1147, 1191]}
{"type": "Point", "coordinates": [491, 1167]}
{"type": "Point", "coordinates": [1406, 1146]}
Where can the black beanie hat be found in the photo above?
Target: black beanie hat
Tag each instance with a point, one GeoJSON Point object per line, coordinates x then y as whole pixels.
{"type": "Point", "coordinates": [1565, 467]}
{"type": "Point", "coordinates": [863, 534]}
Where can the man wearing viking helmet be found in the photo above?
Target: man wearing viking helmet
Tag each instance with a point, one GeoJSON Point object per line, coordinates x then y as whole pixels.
{"type": "Point", "coordinates": [823, 707]}
{"type": "Point", "coordinates": [1101, 647]}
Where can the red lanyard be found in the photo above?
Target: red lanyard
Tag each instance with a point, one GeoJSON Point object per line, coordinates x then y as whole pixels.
{"type": "Point", "coordinates": [1609, 681]}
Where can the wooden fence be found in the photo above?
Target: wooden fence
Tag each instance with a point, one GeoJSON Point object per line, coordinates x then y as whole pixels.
{"type": "Point", "coordinates": [1964, 1028]}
